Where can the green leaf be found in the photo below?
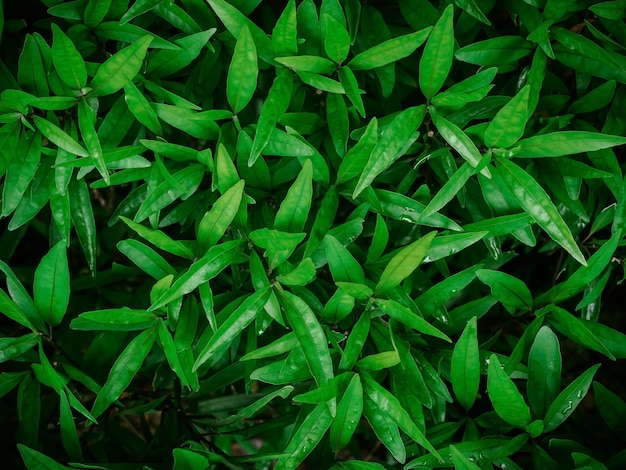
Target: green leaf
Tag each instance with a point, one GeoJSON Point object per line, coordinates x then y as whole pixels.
{"type": "Point", "coordinates": [52, 284]}
{"type": "Point", "coordinates": [34, 460]}
{"type": "Point", "coordinates": [495, 51]}
{"type": "Point", "coordinates": [139, 106]}
{"type": "Point", "coordinates": [357, 157]}
{"type": "Point", "coordinates": [243, 72]}
{"type": "Point", "coordinates": [168, 62]}
{"type": "Point", "coordinates": [20, 296]}
{"type": "Point", "coordinates": [349, 411]}
{"type": "Point", "coordinates": [460, 461]}
{"type": "Point", "coordinates": [507, 401]}
{"type": "Point", "coordinates": [120, 68]}
{"type": "Point", "coordinates": [58, 137]}
{"type": "Point", "coordinates": [336, 39]}
{"type": "Point", "coordinates": [234, 21]}
{"type": "Point", "coordinates": [321, 83]}
{"type": "Point", "coordinates": [69, 434]}
{"type": "Point", "coordinates": [576, 330]}
{"type": "Point", "coordinates": [300, 275]}
{"type": "Point", "coordinates": [234, 325]}
{"type": "Point", "coordinates": [536, 203]}
{"type": "Point", "coordinates": [215, 222]}
{"type": "Point", "coordinates": [584, 275]}
{"type": "Point", "coordinates": [273, 108]}
{"type": "Point", "coordinates": [451, 188]}
{"type": "Point", "coordinates": [124, 370]}
{"type": "Point", "coordinates": [596, 99]}
{"type": "Point", "coordinates": [205, 268]}
{"type": "Point", "coordinates": [343, 266]}
{"type": "Point", "coordinates": [385, 429]}
{"type": "Point", "coordinates": [115, 319]}
{"type": "Point", "coordinates": [509, 124]}
{"type": "Point", "coordinates": [460, 142]}
{"type": "Point", "coordinates": [394, 141]}
{"type": "Point", "coordinates": [87, 126]}
{"type": "Point", "coordinates": [567, 401]}
{"type": "Point", "coordinates": [614, 10]}
{"type": "Point", "coordinates": [355, 342]}
{"type": "Point", "coordinates": [278, 245]}
{"type": "Point", "coordinates": [294, 210]}
{"type": "Point", "coordinates": [404, 263]}
{"type": "Point", "coordinates": [437, 57]}
{"type": "Point", "coordinates": [305, 438]}
{"type": "Point", "coordinates": [68, 62]}
{"type": "Point", "coordinates": [160, 239]}
{"type": "Point", "coordinates": [379, 361]}
{"type": "Point", "coordinates": [509, 290]}
{"type": "Point", "coordinates": [407, 317]}
{"type": "Point", "coordinates": [284, 35]}
{"type": "Point", "coordinates": [11, 310]}
{"type": "Point", "coordinates": [611, 407]}
{"type": "Point", "coordinates": [465, 366]}
{"type": "Point", "coordinates": [390, 405]}
{"type": "Point", "coordinates": [389, 51]}
{"type": "Point", "coordinates": [351, 86]}
{"type": "Point", "coordinates": [557, 144]}
{"type": "Point", "coordinates": [544, 371]}
{"type": "Point", "coordinates": [308, 63]}
{"type": "Point", "coordinates": [310, 336]}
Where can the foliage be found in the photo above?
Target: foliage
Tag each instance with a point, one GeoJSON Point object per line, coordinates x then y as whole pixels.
{"type": "Point", "coordinates": [243, 234]}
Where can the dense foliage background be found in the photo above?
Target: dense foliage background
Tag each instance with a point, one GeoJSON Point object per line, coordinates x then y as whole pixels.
{"type": "Point", "coordinates": [312, 234]}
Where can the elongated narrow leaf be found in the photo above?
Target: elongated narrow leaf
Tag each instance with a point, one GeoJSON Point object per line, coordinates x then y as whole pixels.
{"type": "Point", "coordinates": [122, 319]}
{"type": "Point", "coordinates": [507, 401]}
{"type": "Point", "coordinates": [544, 371]}
{"type": "Point", "coordinates": [389, 404]}
{"type": "Point", "coordinates": [396, 138]}
{"type": "Point", "coordinates": [465, 366]}
{"type": "Point", "coordinates": [124, 369]}
{"type": "Point", "coordinates": [584, 275]}
{"type": "Point", "coordinates": [343, 266]}
{"type": "Point", "coordinates": [437, 57]}
{"type": "Point", "coordinates": [160, 239]}
{"type": "Point", "coordinates": [59, 137]}
{"type": "Point", "coordinates": [557, 144]}
{"type": "Point", "coordinates": [87, 126]}
{"type": "Point", "coordinates": [450, 189]}
{"type": "Point", "coordinates": [306, 438]}
{"type": "Point", "coordinates": [294, 210]}
{"type": "Point", "coordinates": [460, 142]}
{"type": "Point", "coordinates": [348, 415]}
{"type": "Point", "coordinates": [234, 20]}
{"type": "Point", "coordinates": [508, 125]}
{"type": "Point", "coordinates": [35, 460]}
{"type": "Point", "coordinates": [357, 157]}
{"type": "Point", "coordinates": [215, 222]}
{"type": "Point", "coordinates": [389, 51]}
{"type": "Point", "coordinates": [243, 72]}
{"type": "Point", "coordinates": [139, 106]}
{"type": "Point", "coordinates": [536, 202]}
{"type": "Point", "coordinates": [404, 263]}
{"type": "Point", "coordinates": [404, 315]}
{"type": "Point", "coordinates": [567, 401]}
{"type": "Point", "coordinates": [205, 268]}
{"type": "Point", "coordinates": [509, 290]}
{"type": "Point", "coordinates": [52, 284]}
{"type": "Point", "coordinates": [234, 325]}
{"type": "Point", "coordinates": [120, 68]}
{"type": "Point", "coordinates": [310, 336]}
{"type": "Point", "coordinates": [576, 330]}
{"type": "Point", "coordinates": [68, 62]}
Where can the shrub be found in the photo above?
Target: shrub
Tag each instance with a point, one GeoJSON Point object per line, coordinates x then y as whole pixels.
{"type": "Point", "coordinates": [240, 234]}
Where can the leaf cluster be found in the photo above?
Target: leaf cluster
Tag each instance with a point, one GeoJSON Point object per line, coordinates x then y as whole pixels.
{"type": "Point", "coordinates": [351, 235]}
